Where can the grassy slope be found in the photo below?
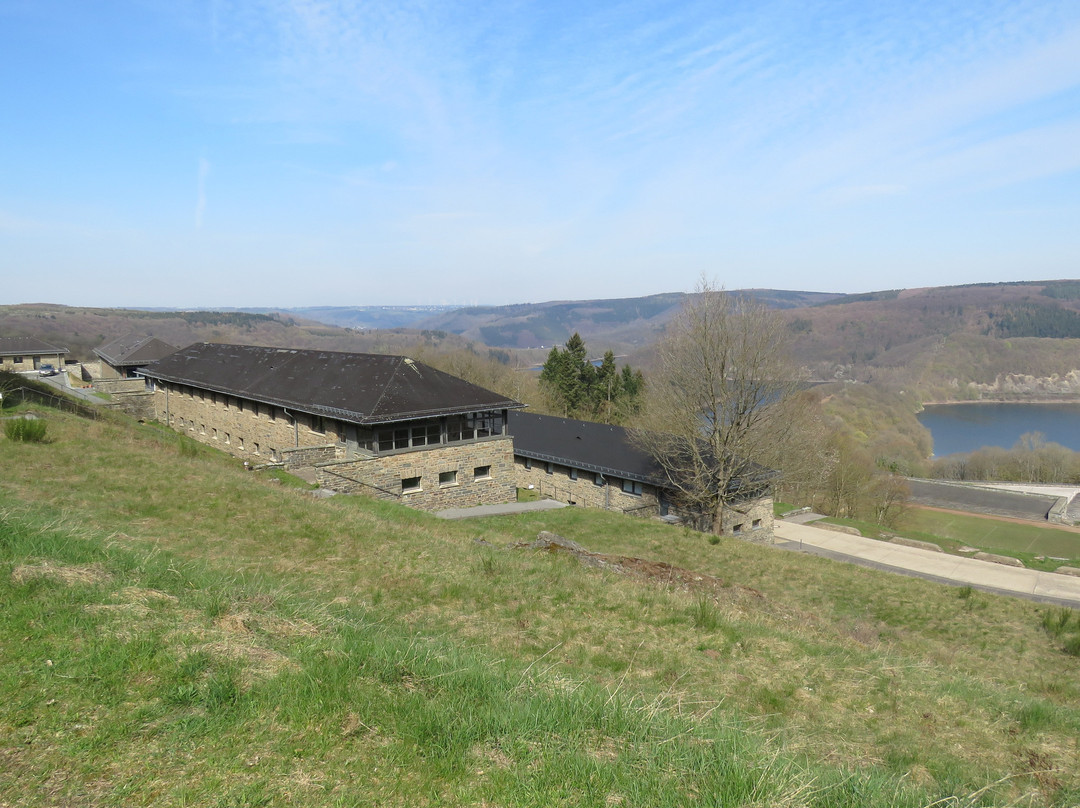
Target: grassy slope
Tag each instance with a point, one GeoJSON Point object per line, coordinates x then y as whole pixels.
{"type": "Point", "coordinates": [213, 635]}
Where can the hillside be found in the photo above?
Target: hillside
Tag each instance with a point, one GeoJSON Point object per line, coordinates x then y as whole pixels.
{"type": "Point", "coordinates": [938, 340]}
{"type": "Point", "coordinates": [80, 330]}
{"type": "Point", "coordinates": [619, 323]}
{"type": "Point", "coordinates": [187, 632]}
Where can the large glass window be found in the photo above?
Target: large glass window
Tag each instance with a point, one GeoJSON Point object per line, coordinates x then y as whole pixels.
{"type": "Point", "coordinates": [407, 437]}
{"type": "Point", "coordinates": [474, 425]}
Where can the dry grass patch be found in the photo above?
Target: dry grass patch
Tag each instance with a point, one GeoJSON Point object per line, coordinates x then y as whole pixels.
{"type": "Point", "coordinates": [69, 574]}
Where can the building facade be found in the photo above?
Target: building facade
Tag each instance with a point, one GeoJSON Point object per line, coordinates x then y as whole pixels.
{"type": "Point", "coordinates": [25, 354]}
{"type": "Point", "coordinates": [599, 466]}
{"type": "Point", "coordinates": [383, 425]}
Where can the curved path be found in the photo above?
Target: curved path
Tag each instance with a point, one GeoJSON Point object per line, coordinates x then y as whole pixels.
{"type": "Point", "coordinates": [1044, 587]}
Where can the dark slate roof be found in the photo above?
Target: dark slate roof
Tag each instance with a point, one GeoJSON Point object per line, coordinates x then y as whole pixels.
{"type": "Point", "coordinates": [134, 351]}
{"type": "Point", "coordinates": [584, 445]}
{"type": "Point", "coordinates": [595, 447]}
{"type": "Point", "coordinates": [31, 346]}
{"type": "Point", "coordinates": [353, 387]}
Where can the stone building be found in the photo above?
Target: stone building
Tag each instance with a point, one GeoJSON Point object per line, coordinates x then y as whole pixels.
{"type": "Point", "coordinates": [23, 354]}
{"type": "Point", "coordinates": [387, 426]}
{"type": "Point", "coordinates": [599, 466]}
{"type": "Point", "coordinates": [120, 358]}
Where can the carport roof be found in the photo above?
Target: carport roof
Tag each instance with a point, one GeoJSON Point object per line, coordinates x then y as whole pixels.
{"type": "Point", "coordinates": [353, 387]}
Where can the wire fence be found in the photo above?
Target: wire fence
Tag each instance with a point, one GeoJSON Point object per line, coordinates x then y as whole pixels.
{"type": "Point", "coordinates": [16, 396]}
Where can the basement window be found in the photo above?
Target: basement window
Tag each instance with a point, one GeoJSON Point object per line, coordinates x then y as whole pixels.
{"type": "Point", "coordinates": [571, 473]}
{"type": "Point", "coordinates": [737, 530]}
{"type": "Point", "coordinates": [410, 484]}
{"type": "Point", "coordinates": [482, 473]}
{"type": "Point", "coordinates": [756, 525]}
{"type": "Point", "coordinates": [447, 478]}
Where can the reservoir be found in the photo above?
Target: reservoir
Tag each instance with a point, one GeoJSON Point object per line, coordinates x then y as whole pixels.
{"type": "Point", "coordinates": [967, 427]}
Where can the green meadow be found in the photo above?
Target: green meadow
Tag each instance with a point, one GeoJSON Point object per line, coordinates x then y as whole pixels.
{"type": "Point", "coordinates": [177, 631]}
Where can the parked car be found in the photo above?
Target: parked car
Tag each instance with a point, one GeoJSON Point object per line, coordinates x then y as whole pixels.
{"type": "Point", "coordinates": [47, 370]}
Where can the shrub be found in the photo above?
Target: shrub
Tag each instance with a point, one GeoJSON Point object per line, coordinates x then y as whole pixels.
{"type": "Point", "coordinates": [25, 430]}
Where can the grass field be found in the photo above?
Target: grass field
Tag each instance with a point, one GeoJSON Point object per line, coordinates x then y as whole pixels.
{"type": "Point", "coordinates": [1039, 546]}
{"type": "Point", "coordinates": [996, 535]}
{"type": "Point", "coordinates": [176, 631]}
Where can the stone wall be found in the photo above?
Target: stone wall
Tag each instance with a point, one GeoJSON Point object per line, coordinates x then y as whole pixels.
{"type": "Point", "coordinates": [751, 519]}
{"type": "Point", "coordinates": [560, 485]}
{"type": "Point", "coordinates": [258, 434]}
{"type": "Point", "coordinates": [480, 473]}
{"type": "Point", "coordinates": [308, 456]}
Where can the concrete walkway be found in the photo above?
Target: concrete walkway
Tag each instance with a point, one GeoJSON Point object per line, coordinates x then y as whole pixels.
{"type": "Point", "coordinates": [1045, 587]}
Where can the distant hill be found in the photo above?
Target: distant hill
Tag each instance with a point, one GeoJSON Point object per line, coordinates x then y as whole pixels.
{"type": "Point", "coordinates": [938, 340]}
{"type": "Point", "coordinates": [618, 323]}
{"type": "Point", "coordinates": [80, 330]}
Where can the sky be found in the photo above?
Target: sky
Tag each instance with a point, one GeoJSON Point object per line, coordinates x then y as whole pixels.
{"type": "Point", "coordinates": [250, 153]}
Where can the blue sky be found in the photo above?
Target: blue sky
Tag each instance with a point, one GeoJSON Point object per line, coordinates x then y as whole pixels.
{"type": "Point", "coordinates": [292, 152]}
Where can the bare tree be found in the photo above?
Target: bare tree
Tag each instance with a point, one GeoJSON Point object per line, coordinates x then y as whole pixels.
{"type": "Point", "coordinates": [720, 399]}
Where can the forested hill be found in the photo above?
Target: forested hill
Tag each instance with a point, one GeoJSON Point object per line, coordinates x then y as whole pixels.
{"type": "Point", "coordinates": [80, 330]}
{"type": "Point", "coordinates": [942, 340]}
{"type": "Point", "coordinates": [618, 323]}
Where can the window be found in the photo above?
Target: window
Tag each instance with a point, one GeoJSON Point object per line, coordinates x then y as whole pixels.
{"type": "Point", "coordinates": [598, 479]}
{"type": "Point", "coordinates": [202, 429]}
{"type": "Point", "coordinates": [447, 478]}
{"type": "Point", "coordinates": [737, 529]}
{"type": "Point", "coordinates": [241, 444]}
{"type": "Point", "coordinates": [482, 473]}
{"type": "Point", "coordinates": [271, 411]}
{"type": "Point", "coordinates": [528, 463]}
{"type": "Point", "coordinates": [571, 473]}
{"type": "Point", "coordinates": [255, 448]}
{"type": "Point", "coordinates": [474, 425]}
{"type": "Point", "coordinates": [214, 434]}
{"type": "Point", "coordinates": [549, 468]}
{"type": "Point", "coordinates": [227, 438]}
{"type": "Point", "coordinates": [410, 484]}
{"type": "Point", "coordinates": [631, 487]}
{"type": "Point", "coordinates": [756, 525]}
{"type": "Point", "coordinates": [404, 437]}
{"type": "Point", "coordinates": [318, 425]}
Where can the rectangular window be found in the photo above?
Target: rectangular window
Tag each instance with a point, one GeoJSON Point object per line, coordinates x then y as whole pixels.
{"type": "Point", "coordinates": [406, 437]}
{"type": "Point", "coordinates": [598, 479]}
{"type": "Point", "coordinates": [318, 425]}
{"type": "Point", "coordinates": [227, 438]}
{"type": "Point", "coordinates": [571, 473]}
{"type": "Point", "coordinates": [549, 468]}
{"type": "Point", "coordinates": [528, 463]}
{"type": "Point", "coordinates": [214, 434]}
{"type": "Point", "coordinates": [410, 484]}
{"type": "Point", "coordinates": [272, 412]}
{"type": "Point", "coordinates": [241, 444]}
{"type": "Point", "coordinates": [756, 525]}
{"type": "Point", "coordinates": [255, 448]}
{"type": "Point", "coordinates": [447, 478]}
{"type": "Point", "coordinates": [737, 529]}
{"type": "Point", "coordinates": [631, 487]}
{"type": "Point", "coordinates": [482, 473]}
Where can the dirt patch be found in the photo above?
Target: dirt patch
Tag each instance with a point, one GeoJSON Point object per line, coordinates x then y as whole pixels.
{"type": "Point", "coordinates": [640, 568]}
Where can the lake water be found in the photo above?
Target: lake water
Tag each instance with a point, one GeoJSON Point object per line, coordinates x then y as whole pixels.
{"type": "Point", "coordinates": [967, 427]}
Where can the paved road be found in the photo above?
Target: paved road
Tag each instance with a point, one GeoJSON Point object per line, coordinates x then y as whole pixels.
{"type": "Point", "coordinates": [1044, 587]}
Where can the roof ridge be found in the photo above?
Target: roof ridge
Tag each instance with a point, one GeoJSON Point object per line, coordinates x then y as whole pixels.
{"type": "Point", "coordinates": [386, 387]}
